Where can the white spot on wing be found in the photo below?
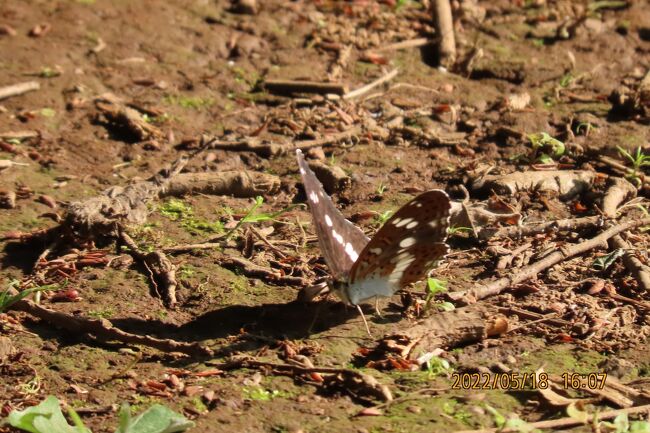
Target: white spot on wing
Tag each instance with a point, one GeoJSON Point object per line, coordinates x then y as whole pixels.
{"type": "Point", "coordinates": [401, 256]}
{"type": "Point", "coordinates": [349, 250]}
{"type": "Point", "coordinates": [338, 237]}
{"type": "Point", "coordinates": [404, 222]}
{"type": "Point", "coordinates": [313, 197]}
{"type": "Point", "coordinates": [405, 243]}
{"type": "Point", "coordinates": [376, 251]}
{"type": "Point", "coordinates": [328, 220]}
{"type": "Point", "coordinates": [433, 224]}
{"type": "Point", "coordinates": [396, 221]}
{"type": "Point", "coordinates": [412, 225]}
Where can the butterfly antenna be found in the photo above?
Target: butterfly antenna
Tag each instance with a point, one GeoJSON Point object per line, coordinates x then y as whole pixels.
{"type": "Point", "coordinates": [365, 322]}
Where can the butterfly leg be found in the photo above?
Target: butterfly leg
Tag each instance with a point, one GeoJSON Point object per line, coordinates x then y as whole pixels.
{"type": "Point", "coordinates": [377, 307]}
{"type": "Point", "coordinates": [313, 321]}
{"type": "Point", "coordinates": [365, 322]}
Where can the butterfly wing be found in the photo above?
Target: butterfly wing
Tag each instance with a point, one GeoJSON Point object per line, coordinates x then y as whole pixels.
{"type": "Point", "coordinates": [403, 250]}
{"type": "Point", "coordinates": [340, 241]}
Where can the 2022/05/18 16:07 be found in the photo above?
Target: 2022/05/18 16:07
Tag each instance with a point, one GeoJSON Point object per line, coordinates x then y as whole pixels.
{"type": "Point", "coordinates": [513, 381]}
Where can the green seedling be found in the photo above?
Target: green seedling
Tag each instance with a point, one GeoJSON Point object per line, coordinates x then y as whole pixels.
{"type": "Point", "coordinates": [47, 72]}
{"type": "Point", "coordinates": [7, 299]}
{"type": "Point", "coordinates": [454, 230]}
{"type": "Point", "coordinates": [437, 366]}
{"type": "Point", "coordinates": [261, 394]}
{"type": "Point", "coordinates": [48, 112]}
{"type": "Point", "coordinates": [252, 217]}
{"type": "Point", "coordinates": [566, 80]}
{"type": "Point", "coordinates": [380, 189]}
{"type": "Point", "coordinates": [155, 120]}
{"type": "Point", "coordinates": [545, 147]}
{"type": "Point", "coordinates": [435, 287]}
{"type": "Point", "coordinates": [383, 217]}
{"type": "Point", "coordinates": [584, 128]}
{"type": "Point", "coordinates": [638, 160]}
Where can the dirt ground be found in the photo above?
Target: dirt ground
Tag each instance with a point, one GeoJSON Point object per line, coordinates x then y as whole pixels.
{"type": "Point", "coordinates": [127, 87]}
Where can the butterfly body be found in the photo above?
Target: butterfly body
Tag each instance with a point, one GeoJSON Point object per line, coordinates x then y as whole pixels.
{"type": "Point", "coordinates": [404, 249]}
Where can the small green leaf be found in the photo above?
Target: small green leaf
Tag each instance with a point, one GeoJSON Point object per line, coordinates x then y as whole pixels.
{"type": "Point", "coordinates": [156, 419]}
{"type": "Point", "coordinates": [46, 417]}
{"type": "Point", "coordinates": [604, 262]}
{"type": "Point", "coordinates": [435, 286]}
{"type": "Point", "coordinates": [48, 112]}
{"type": "Point", "coordinates": [640, 427]}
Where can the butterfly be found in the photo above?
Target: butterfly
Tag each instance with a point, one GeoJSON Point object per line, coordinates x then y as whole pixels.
{"type": "Point", "coordinates": [403, 251]}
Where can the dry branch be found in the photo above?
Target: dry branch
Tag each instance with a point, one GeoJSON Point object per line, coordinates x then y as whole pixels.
{"type": "Point", "coordinates": [618, 191]}
{"type": "Point", "coordinates": [161, 269]}
{"type": "Point", "coordinates": [638, 270]}
{"type": "Point", "coordinates": [104, 330]}
{"type": "Point", "coordinates": [250, 269]}
{"type": "Point", "coordinates": [333, 178]}
{"type": "Point", "coordinates": [119, 114]}
{"type": "Point", "coordinates": [268, 150]}
{"type": "Point", "coordinates": [288, 87]}
{"type": "Point", "coordinates": [568, 183]}
{"type": "Point", "coordinates": [530, 229]}
{"type": "Point", "coordinates": [98, 216]}
{"type": "Point", "coordinates": [18, 89]}
{"type": "Point", "coordinates": [481, 290]}
{"type": "Point", "coordinates": [444, 25]}
{"type": "Point", "coordinates": [447, 329]}
{"type": "Point", "coordinates": [236, 183]}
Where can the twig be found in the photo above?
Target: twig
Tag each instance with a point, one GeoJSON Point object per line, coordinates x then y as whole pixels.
{"type": "Point", "coordinates": [563, 422]}
{"type": "Point", "coordinates": [276, 149]}
{"type": "Point", "coordinates": [162, 271]}
{"type": "Point", "coordinates": [506, 260]}
{"type": "Point", "coordinates": [103, 329]}
{"type": "Point", "coordinates": [190, 247]}
{"type": "Point", "coordinates": [19, 135]}
{"type": "Point", "coordinates": [444, 25]}
{"type": "Point", "coordinates": [480, 291]}
{"type": "Point", "coordinates": [402, 45]}
{"type": "Point", "coordinates": [266, 242]}
{"type": "Point", "coordinates": [525, 314]}
{"type": "Point", "coordinates": [290, 87]}
{"type": "Point", "coordinates": [515, 232]}
{"type": "Point", "coordinates": [368, 87]}
{"type": "Point", "coordinates": [250, 269]}
{"type": "Point", "coordinates": [639, 271]}
{"type": "Point", "coordinates": [18, 89]}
